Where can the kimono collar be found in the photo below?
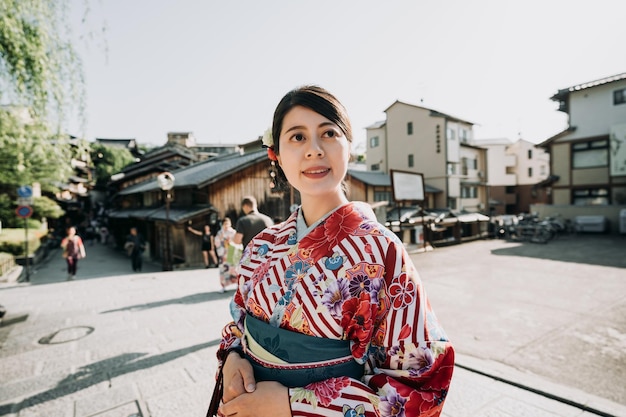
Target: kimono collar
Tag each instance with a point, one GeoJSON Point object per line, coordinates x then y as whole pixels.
{"type": "Point", "coordinates": [302, 229]}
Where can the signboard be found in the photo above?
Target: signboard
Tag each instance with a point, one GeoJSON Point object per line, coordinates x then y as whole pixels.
{"type": "Point", "coordinates": [24, 195]}
{"type": "Point", "coordinates": [407, 186]}
{"type": "Point", "coordinates": [24, 211]}
{"type": "Point", "coordinates": [25, 191]}
{"type": "Point", "coordinates": [24, 201]}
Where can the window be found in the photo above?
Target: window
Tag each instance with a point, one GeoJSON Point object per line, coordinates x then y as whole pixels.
{"type": "Point", "coordinates": [463, 135]}
{"type": "Point", "coordinates": [619, 96]}
{"type": "Point", "coordinates": [451, 168]}
{"type": "Point", "coordinates": [530, 172]}
{"type": "Point", "coordinates": [590, 197]}
{"type": "Point", "coordinates": [375, 167]}
{"type": "Point", "coordinates": [382, 196]}
{"type": "Point", "coordinates": [469, 192]}
{"type": "Point", "coordinates": [451, 134]}
{"type": "Point", "coordinates": [374, 142]}
{"type": "Point", "coordinates": [411, 162]}
{"type": "Point", "coordinates": [590, 154]}
{"type": "Point", "coordinates": [530, 154]}
{"type": "Point", "coordinates": [409, 128]}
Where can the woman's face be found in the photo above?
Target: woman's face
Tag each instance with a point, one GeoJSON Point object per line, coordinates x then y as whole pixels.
{"type": "Point", "coordinates": [314, 153]}
{"type": "Point", "coordinates": [226, 224]}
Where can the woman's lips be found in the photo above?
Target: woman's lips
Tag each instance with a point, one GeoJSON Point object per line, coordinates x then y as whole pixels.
{"type": "Point", "coordinates": [316, 172]}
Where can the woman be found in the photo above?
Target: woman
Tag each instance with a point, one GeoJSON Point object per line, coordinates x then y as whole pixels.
{"type": "Point", "coordinates": [330, 317]}
{"type": "Point", "coordinates": [223, 239]}
{"type": "Point", "coordinates": [207, 245]}
{"type": "Point", "coordinates": [73, 250]}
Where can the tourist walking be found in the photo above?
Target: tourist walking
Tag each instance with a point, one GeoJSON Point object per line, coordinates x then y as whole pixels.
{"type": "Point", "coordinates": [73, 250]}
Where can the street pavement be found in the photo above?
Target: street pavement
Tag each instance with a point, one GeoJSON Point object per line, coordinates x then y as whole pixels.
{"type": "Point", "coordinates": [539, 331]}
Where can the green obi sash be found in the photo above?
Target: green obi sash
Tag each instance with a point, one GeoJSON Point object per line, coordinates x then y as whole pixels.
{"type": "Point", "coordinates": [296, 359]}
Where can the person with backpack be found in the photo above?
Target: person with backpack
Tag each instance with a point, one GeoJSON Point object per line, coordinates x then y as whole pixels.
{"type": "Point", "coordinates": [73, 250]}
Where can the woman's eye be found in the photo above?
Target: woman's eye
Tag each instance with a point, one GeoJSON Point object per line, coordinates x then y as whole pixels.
{"type": "Point", "coordinates": [330, 134]}
{"type": "Point", "coordinates": [298, 137]}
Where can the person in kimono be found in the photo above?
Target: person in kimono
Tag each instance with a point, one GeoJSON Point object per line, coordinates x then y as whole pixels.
{"type": "Point", "coordinates": [330, 317]}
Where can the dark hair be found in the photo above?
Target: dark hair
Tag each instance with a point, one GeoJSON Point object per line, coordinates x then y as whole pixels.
{"type": "Point", "coordinates": [249, 201]}
{"type": "Point", "coordinates": [316, 99]}
{"type": "Point", "coordinates": [320, 101]}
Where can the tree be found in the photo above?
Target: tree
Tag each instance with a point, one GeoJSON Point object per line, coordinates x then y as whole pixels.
{"type": "Point", "coordinates": [41, 78]}
{"type": "Point", "coordinates": [109, 160]}
{"type": "Point", "coordinates": [39, 68]}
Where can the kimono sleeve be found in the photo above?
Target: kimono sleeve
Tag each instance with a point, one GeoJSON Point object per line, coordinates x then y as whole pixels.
{"type": "Point", "coordinates": [408, 358]}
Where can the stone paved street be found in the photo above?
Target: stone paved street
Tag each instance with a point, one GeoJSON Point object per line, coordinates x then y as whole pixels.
{"type": "Point", "coordinates": [540, 330]}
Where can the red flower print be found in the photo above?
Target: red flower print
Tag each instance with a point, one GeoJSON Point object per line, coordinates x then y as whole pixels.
{"type": "Point", "coordinates": [326, 391]}
{"type": "Point", "coordinates": [402, 292]}
{"type": "Point", "coordinates": [340, 224]}
{"type": "Point", "coordinates": [357, 322]}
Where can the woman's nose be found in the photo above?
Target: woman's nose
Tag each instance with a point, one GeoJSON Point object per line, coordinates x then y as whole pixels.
{"type": "Point", "coordinates": [315, 148]}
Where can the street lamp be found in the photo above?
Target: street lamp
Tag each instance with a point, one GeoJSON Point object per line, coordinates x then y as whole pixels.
{"type": "Point", "coordinates": [166, 183]}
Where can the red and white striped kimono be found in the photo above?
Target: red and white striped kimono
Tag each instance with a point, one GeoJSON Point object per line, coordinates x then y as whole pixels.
{"type": "Point", "coordinates": [347, 277]}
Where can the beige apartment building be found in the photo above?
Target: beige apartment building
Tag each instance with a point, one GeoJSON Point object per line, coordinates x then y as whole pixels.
{"type": "Point", "coordinates": [516, 172]}
{"type": "Point", "coordinates": [588, 158]}
{"type": "Point", "coordinates": [438, 146]}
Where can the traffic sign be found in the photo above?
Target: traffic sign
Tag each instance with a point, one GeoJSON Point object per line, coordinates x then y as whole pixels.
{"type": "Point", "coordinates": [24, 211]}
{"type": "Point", "coordinates": [25, 191]}
{"type": "Point", "coordinates": [24, 201]}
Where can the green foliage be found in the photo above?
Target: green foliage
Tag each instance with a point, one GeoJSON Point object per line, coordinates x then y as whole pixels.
{"type": "Point", "coordinates": [46, 207]}
{"type": "Point", "coordinates": [7, 211]}
{"type": "Point", "coordinates": [40, 78]}
{"type": "Point", "coordinates": [10, 219]}
{"type": "Point", "coordinates": [109, 160]}
{"type": "Point", "coordinates": [39, 68]}
{"type": "Point", "coordinates": [29, 155]}
{"type": "Point", "coordinates": [12, 241]}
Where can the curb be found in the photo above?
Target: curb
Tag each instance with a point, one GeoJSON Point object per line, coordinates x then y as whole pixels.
{"type": "Point", "coordinates": [541, 386]}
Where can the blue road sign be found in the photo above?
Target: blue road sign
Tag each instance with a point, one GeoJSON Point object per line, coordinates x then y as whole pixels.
{"type": "Point", "coordinates": [25, 191]}
{"type": "Point", "coordinates": [24, 211]}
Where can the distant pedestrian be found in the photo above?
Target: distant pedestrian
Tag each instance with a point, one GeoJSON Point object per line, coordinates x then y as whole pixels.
{"type": "Point", "coordinates": [223, 241]}
{"type": "Point", "coordinates": [135, 246]}
{"type": "Point", "coordinates": [73, 250]}
{"type": "Point", "coordinates": [251, 223]}
{"type": "Point", "coordinates": [208, 245]}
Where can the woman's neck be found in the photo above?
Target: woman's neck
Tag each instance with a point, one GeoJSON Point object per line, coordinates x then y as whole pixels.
{"type": "Point", "coordinates": [314, 208]}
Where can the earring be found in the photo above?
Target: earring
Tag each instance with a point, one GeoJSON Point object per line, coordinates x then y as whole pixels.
{"type": "Point", "coordinates": [273, 173]}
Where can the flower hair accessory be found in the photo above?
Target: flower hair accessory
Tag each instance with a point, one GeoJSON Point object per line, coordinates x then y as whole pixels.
{"type": "Point", "coordinates": [268, 142]}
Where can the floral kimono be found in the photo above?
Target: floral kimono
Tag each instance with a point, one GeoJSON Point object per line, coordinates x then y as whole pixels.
{"type": "Point", "coordinates": [345, 279]}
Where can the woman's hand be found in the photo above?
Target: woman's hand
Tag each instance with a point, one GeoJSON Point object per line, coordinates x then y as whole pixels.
{"type": "Point", "coordinates": [269, 399]}
{"type": "Point", "coordinates": [238, 377]}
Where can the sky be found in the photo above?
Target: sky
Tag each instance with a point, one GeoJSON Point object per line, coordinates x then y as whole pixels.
{"type": "Point", "coordinates": [218, 68]}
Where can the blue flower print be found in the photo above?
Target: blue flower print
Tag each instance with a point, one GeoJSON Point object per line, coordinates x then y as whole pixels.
{"type": "Point", "coordinates": [334, 262]}
{"type": "Point", "coordinates": [296, 272]}
{"type": "Point", "coordinates": [293, 238]}
{"type": "Point", "coordinates": [263, 249]}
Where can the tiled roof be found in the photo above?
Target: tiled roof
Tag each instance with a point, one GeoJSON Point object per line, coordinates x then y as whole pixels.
{"type": "Point", "coordinates": [380, 179]}
{"type": "Point", "coordinates": [564, 92]}
{"type": "Point", "coordinates": [204, 173]}
{"type": "Point", "coordinates": [177, 214]}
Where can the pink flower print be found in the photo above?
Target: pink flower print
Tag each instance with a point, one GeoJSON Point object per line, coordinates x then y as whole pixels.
{"type": "Point", "coordinates": [326, 391]}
